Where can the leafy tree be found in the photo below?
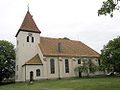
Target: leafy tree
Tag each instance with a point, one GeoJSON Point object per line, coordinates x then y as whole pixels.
{"type": "Point", "coordinates": [108, 7]}
{"type": "Point", "coordinates": [102, 68]}
{"type": "Point", "coordinates": [79, 69]}
{"type": "Point", "coordinates": [87, 67]}
{"type": "Point", "coordinates": [92, 67]}
{"type": "Point", "coordinates": [7, 57]}
{"type": "Point", "coordinates": [110, 55]}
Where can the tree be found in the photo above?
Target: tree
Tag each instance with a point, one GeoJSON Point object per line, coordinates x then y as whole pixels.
{"type": "Point", "coordinates": [87, 67]}
{"type": "Point", "coordinates": [7, 59]}
{"type": "Point", "coordinates": [110, 56]}
{"type": "Point", "coordinates": [108, 7]}
{"type": "Point", "coordinates": [79, 69]}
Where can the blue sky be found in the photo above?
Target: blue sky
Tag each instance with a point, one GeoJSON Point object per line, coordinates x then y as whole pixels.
{"type": "Point", "coordinates": [75, 19]}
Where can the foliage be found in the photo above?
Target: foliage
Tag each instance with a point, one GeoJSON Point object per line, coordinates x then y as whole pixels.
{"type": "Point", "coordinates": [108, 7]}
{"type": "Point", "coordinates": [65, 38]}
{"type": "Point", "coordinates": [106, 83]}
{"type": "Point", "coordinates": [110, 55]}
{"type": "Point", "coordinates": [79, 69]}
{"type": "Point", "coordinates": [102, 68]}
{"type": "Point", "coordinates": [7, 57]}
{"type": "Point", "coordinates": [92, 67]}
{"type": "Point", "coordinates": [87, 67]}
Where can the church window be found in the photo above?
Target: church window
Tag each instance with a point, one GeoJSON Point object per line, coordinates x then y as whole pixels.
{"type": "Point", "coordinates": [66, 66]}
{"type": "Point", "coordinates": [17, 67]}
{"type": "Point", "coordinates": [38, 72]}
{"type": "Point", "coordinates": [27, 38]}
{"type": "Point", "coordinates": [79, 61]}
{"type": "Point", "coordinates": [99, 62]}
{"type": "Point", "coordinates": [52, 66]}
{"type": "Point", "coordinates": [32, 39]}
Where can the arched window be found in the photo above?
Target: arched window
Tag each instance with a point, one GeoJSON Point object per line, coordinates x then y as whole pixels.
{"type": "Point", "coordinates": [32, 39]}
{"type": "Point", "coordinates": [66, 66]}
{"type": "Point", "coordinates": [17, 67]}
{"type": "Point", "coordinates": [27, 38]}
{"type": "Point", "coordinates": [38, 72]}
{"type": "Point", "coordinates": [79, 61]}
{"type": "Point", "coordinates": [52, 66]}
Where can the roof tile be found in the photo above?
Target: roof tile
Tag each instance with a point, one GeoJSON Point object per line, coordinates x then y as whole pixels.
{"type": "Point", "coordinates": [29, 24]}
{"type": "Point", "coordinates": [35, 60]}
{"type": "Point", "coordinates": [49, 47]}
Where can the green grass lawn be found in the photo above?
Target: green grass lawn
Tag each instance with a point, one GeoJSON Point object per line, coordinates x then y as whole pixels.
{"type": "Point", "coordinates": [106, 83]}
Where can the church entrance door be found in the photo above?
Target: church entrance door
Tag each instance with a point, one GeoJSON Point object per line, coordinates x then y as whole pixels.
{"type": "Point", "coordinates": [79, 74]}
{"type": "Point", "coordinates": [31, 76]}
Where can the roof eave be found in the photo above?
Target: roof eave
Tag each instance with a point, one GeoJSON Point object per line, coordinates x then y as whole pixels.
{"type": "Point", "coordinates": [90, 56]}
{"type": "Point", "coordinates": [31, 64]}
{"type": "Point", "coordinates": [26, 31]}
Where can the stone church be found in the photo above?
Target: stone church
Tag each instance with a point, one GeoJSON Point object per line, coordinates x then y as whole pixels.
{"type": "Point", "coordinates": [47, 58]}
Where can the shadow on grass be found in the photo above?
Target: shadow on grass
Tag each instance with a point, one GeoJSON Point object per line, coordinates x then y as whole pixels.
{"type": "Point", "coordinates": [6, 83]}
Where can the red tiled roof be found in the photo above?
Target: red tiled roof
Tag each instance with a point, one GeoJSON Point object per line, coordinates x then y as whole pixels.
{"type": "Point", "coordinates": [51, 46]}
{"type": "Point", "coordinates": [28, 24]}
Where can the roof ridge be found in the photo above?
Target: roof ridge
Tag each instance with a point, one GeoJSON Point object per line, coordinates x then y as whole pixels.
{"type": "Point", "coordinates": [59, 38]}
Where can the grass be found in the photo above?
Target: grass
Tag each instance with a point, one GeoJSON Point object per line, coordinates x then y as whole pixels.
{"type": "Point", "coordinates": [104, 83]}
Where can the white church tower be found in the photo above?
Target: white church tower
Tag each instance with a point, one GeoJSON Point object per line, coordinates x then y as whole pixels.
{"type": "Point", "coordinates": [27, 38]}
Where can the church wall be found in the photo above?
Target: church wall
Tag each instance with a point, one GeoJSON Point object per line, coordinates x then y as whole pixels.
{"type": "Point", "coordinates": [48, 73]}
{"type": "Point", "coordinates": [28, 68]}
{"type": "Point", "coordinates": [60, 67]}
{"type": "Point", "coordinates": [25, 51]}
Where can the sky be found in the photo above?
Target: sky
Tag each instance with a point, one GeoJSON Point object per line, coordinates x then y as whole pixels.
{"type": "Point", "coordinates": [75, 19]}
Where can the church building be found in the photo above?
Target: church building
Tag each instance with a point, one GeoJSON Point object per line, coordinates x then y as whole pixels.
{"type": "Point", "coordinates": [40, 58]}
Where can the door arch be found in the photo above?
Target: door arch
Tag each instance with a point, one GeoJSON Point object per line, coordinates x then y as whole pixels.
{"type": "Point", "coordinates": [31, 75]}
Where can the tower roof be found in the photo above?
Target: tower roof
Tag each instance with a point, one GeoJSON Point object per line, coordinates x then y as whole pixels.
{"type": "Point", "coordinates": [28, 24]}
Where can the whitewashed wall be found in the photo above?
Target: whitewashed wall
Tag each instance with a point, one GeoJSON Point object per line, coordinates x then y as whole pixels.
{"type": "Point", "coordinates": [25, 51]}
{"type": "Point", "coordinates": [29, 68]}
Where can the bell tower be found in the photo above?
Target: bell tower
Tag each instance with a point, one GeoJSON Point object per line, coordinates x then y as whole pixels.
{"type": "Point", "coordinates": [27, 38]}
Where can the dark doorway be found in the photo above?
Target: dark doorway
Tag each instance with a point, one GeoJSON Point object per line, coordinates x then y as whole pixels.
{"type": "Point", "coordinates": [79, 74]}
{"type": "Point", "coordinates": [31, 76]}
